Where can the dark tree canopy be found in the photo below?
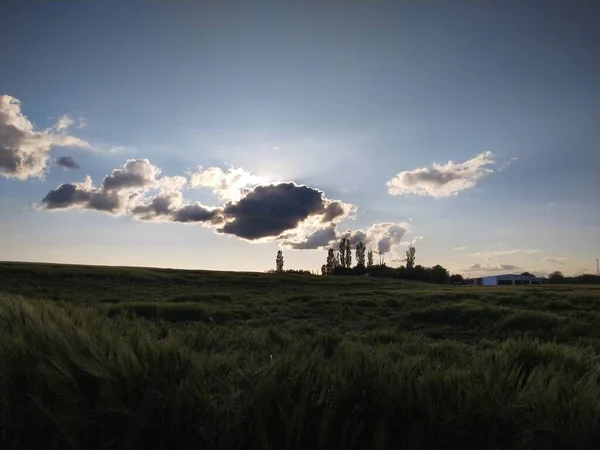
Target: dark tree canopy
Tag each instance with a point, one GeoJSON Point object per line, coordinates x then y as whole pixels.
{"type": "Point", "coordinates": [370, 259]}
{"type": "Point", "coordinates": [348, 262]}
{"type": "Point", "coordinates": [410, 258]}
{"type": "Point", "coordinates": [279, 262]}
{"type": "Point", "coordinates": [360, 254]}
{"type": "Point", "coordinates": [342, 251]}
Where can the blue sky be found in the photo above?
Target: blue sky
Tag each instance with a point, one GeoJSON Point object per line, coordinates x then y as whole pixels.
{"type": "Point", "coordinates": [338, 97]}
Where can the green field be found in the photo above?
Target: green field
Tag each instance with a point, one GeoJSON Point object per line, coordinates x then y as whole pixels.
{"type": "Point", "coordinates": [124, 358]}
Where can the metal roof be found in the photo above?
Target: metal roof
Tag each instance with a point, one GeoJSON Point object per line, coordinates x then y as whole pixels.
{"type": "Point", "coordinates": [512, 276]}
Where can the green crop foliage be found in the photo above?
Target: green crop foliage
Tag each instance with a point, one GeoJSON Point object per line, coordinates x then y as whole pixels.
{"type": "Point", "coordinates": [127, 358]}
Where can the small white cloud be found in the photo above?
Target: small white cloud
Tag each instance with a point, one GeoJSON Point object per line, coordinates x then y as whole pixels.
{"type": "Point", "coordinates": [63, 124]}
{"type": "Point", "coordinates": [442, 180]}
{"type": "Point", "coordinates": [459, 249]}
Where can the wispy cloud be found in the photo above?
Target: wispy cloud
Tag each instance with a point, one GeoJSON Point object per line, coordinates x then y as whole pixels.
{"type": "Point", "coordinates": [555, 260]}
{"type": "Point", "coordinates": [64, 122]}
{"type": "Point", "coordinates": [497, 267]}
{"type": "Point", "coordinates": [512, 252]}
{"type": "Point", "coordinates": [459, 249]}
{"type": "Point", "coordinates": [442, 180]}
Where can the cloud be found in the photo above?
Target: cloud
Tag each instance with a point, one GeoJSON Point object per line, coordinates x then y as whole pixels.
{"type": "Point", "coordinates": [268, 211]}
{"type": "Point", "coordinates": [442, 180]}
{"type": "Point", "coordinates": [383, 235]}
{"type": "Point", "coordinates": [555, 260]}
{"type": "Point", "coordinates": [498, 267]}
{"type": "Point", "coordinates": [320, 238]}
{"type": "Point", "coordinates": [64, 123]}
{"type": "Point", "coordinates": [228, 186]}
{"type": "Point", "coordinates": [336, 209]}
{"type": "Point", "coordinates": [196, 213]}
{"type": "Point", "coordinates": [386, 235]}
{"type": "Point", "coordinates": [24, 151]}
{"type": "Point", "coordinates": [459, 249]}
{"type": "Point", "coordinates": [264, 212]}
{"type": "Point", "coordinates": [512, 252]}
{"type": "Point", "coordinates": [84, 196]}
{"type": "Point", "coordinates": [117, 190]}
{"type": "Point", "coordinates": [67, 162]}
{"type": "Point", "coordinates": [135, 174]}
{"type": "Point", "coordinates": [355, 237]}
{"type": "Point", "coordinates": [164, 205]}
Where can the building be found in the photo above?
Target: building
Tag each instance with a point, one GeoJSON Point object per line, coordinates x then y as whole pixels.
{"type": "Point", "coordinates": [508, 280]}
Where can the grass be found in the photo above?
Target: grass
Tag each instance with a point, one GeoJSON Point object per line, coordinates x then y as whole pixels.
{"type": "Point", "coordinates": [122, 358]}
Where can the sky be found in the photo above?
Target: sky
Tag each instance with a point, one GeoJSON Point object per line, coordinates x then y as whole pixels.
{"type": "Point", "coordinates": [209, 135]}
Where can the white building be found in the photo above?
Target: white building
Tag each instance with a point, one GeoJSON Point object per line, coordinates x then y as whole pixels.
{"type": "Point", "coordinates": [509, 279]}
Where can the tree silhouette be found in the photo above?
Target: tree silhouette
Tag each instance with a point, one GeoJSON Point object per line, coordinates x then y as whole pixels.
{"type": "Point", "coordinates": [342, 252]}
{"type": "Point", "coordinates": [279, 262]}
{"type": "Point", "coordinates": [348, 262]}
{"type": "Point", "coordinates": [331, 261]}
{"type": "Point", "coordinates": [370, 259]}
{"type": "Point", "coordinates": [410, 257]}
{"type": "Point", "coordinates": [457, 279]}
{"type": "Point", "coordinates": [556, 277]}
{"type": "Point", "coordinates": [360, 254]}
{"type": "Point", "coordinates": [439, 275]}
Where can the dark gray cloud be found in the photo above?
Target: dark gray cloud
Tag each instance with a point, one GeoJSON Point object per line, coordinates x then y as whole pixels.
{"type": "Point", "coordinates": [196, 212]}
{"type": "Point", "coordinates": [268, 211]}
{"type": "Point", "coordinates": [67, 162]}
{"type": "Point", "coordinates": [356, 236]}
{"type": "Point", "coordinates": [333, 210]}
{"type": "Point", "coordinates": [321, 238]}
{"type": "Point", "coordinates": [157, 207]}
{"type": "Point", "coordinates": [24, 151]}
{"type": "Point", "coordinates": [168, 207]}
{"type": "Point", "coordinates": [82, 195]}
{"type": "Point", "coordinates": [116, 192]}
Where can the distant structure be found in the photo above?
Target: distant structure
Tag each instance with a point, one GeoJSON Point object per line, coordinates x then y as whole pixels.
{"type": "Point", "coordinates": [507, 280]}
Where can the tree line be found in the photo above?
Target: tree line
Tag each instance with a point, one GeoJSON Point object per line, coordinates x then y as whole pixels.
{"type": "Point", "coordinates": [340, 263]}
